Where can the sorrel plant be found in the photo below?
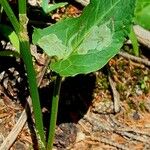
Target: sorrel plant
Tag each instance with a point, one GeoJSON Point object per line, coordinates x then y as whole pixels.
{"type": "Point", "coordinates": [76, 46]}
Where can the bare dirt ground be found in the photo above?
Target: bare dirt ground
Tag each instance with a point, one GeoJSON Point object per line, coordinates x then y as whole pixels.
{"type": "Point", "coordinates": [105, 110]}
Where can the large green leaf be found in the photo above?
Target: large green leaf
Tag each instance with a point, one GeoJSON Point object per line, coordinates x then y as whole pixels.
{"type": "Point", "coordinates": [85, 44]}
{"type": "Point", "coordinates": [142, 13]}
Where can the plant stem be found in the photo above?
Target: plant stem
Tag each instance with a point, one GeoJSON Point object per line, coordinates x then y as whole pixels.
{"type": "Point", "coordinates": [134, 41]}
{"type": "Point", "coordinates": [21, 30]}
{"type": "Point", "coordinates": [27, 58]}
{"type": "Point", "coordinates": [10, 15]}
{"type": "Point", "coordinates": [54, 111]}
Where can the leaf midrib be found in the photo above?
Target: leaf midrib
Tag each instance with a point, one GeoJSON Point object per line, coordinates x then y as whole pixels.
{"type": "Point", "coordinates": [95, 24]}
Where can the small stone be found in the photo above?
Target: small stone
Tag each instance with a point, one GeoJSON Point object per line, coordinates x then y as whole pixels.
{"type": "Point", "coordinates": [19, 146]}
{"type": "Point", "coordinates": [136, 116]}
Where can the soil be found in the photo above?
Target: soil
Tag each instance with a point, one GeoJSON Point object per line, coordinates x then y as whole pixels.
{"type": "Point", "coordinates": [105, 110]}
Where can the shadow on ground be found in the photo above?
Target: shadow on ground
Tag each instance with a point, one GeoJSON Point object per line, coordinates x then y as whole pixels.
{"type": "Point", "coordinates": [75, 98]}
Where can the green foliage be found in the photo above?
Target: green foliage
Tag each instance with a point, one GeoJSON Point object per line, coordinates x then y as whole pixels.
{"type": "Point", "coordinates": [52, 45]}
{"type": "Point", "coordinates": [144, 85]}
{"type": "Point", "coordinates": [79, 45]}
{"type": "Point", "coordinates": [20, 35]}
{"type": "Point", "coordinates": [134, 41]}
{"type": "Point", "coordinates": [142, 13]}
{"type": "Point", "coordinates": [9, 33]}
{"type": "Point", "coordinates": [88, 42]}
{"type": "Point", "coordinates": [50, 7]}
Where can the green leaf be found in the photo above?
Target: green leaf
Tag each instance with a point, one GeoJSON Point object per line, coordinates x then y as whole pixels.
{"type": "Point", "coordinates": [52, 46]}
{"type": "Point", "coordinates": [8, 32]}
{"type": "Point", "coordinates": [97, 39]}
{"type": "Point", "coordinates": [90, 41]}
{"type": "Point", "coordinates": [142, 13]}
{"type": "Point", "coordinates": [50, 7]}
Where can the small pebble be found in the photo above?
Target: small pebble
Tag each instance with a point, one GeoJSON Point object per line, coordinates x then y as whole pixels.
{"type": "Point", "coordinates": [19, 146]}
{"type": "Point", "coordinates": [136, 116]}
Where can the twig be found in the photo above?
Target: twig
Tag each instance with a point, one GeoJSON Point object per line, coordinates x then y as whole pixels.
{"type": "Point", "coordinates": [125, 128]}
{"type": "Point", "coordinates": [116, 95]}
{"type": "Point", "coordinates": [134, 58]}
{"type": "Point", "coordinates": [134, 131]}
{"type": "Point", "coordinates": [110, 142]}
{"type": "Point", "coordinates": [99, 125]}
{"type": "Point", "coordinates": [132, 136]}
{"type": "Point", "coordinates": [10, 139]}
{"type": "Point", "coordinates": [130, 132]}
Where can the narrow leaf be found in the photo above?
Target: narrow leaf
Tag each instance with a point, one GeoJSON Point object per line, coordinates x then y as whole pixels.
{"type": "Point", "coordinates": [8, 33]}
